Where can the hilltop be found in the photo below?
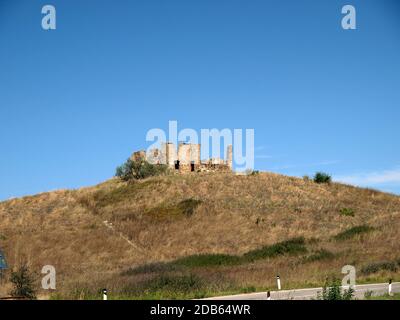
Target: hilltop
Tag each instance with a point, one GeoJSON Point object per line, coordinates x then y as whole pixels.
{"type": "Point", "coordinates": [199, 234]}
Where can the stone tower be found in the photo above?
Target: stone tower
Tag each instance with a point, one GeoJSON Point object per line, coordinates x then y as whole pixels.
{"type": "Point", "coordinates": [229, 156]}
{"type": "Point", "coordinates": [169, 154]}
{"type": "Point", "coordinates": [195, 154]}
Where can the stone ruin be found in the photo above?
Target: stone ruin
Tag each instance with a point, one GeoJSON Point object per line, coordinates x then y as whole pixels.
{"type": "Point", "coordinates": [186, 159]}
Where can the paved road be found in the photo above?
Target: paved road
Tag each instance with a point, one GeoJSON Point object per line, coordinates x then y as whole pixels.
{"type": "Point", "coordinates": [378, 289]}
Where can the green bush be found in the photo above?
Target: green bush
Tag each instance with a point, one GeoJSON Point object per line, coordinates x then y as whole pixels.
{"type": "Point", "coordinates": [321, 254]}
{"type": "Point", "coordinates": [378, 266]}
{"type": "Point", "coordinates": [347, 212]}
{"type": "Point", "coordinates": [321, 177]}
{"type": "Point", "coordinates": [23, 283]}
{"type": "Point", "coordinates": [332, 291]}
{"type": "Point", "coordinates": [350, 233]}
{"type": "Point", "coordinates": [140, 169]}
{"type": "Point", "coordinates": [154, 267]}
{"type": "Point", "coordinates": [292, 246]}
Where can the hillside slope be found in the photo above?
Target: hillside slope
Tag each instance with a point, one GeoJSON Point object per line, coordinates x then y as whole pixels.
{"type": "Point", "coordinates": [152, 223]}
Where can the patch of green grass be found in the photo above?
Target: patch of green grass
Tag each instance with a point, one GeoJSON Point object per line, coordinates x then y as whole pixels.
{"type": "Point", "coordinates": [175, 286]}
{"type": "Point", "coordinates": [396, 296]}
{"type": "Point", "coordinates": [249, 289]}
{"type": "Point", "coordinates": [164, 286]}
{"type": "Point", "coordinates": [207, 260]}
{"type": "Point", "coordinates": [183, 208]}
{"type": "Point", "coordinates": [352, 232]}
{"type": "Point", "coordinates": [292, 246]}
{"type": "Point", "coordinates": [180, 283]}
{"type": "Point", "coordinates": [321, 254]}
{"type": "Point", "coordinates": [155, 267]}
{"type": "Point", "coordinates": [124, 192]}
{"type": "Point", "coordinates": [348, 212]}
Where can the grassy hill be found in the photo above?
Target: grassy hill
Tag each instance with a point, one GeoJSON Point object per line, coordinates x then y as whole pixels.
{"type": "Point", "coordinates": [202, 234]}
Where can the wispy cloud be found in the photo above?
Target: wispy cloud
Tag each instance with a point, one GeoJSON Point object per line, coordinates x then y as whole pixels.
{"type": "Point", "coordinates": [308, 165]}
{"type": "Point", "coordinates": [375, 178]}
{"type": "Point", "coordinates": [259, 148]}
{"type": "Point", "coordinates": [263, 156]}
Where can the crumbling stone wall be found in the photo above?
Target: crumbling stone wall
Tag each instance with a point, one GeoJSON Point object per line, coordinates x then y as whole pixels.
{"type": "Point", "coordinates": [185, 159]}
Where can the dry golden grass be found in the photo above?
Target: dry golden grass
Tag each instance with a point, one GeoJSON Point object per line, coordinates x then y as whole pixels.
{"type": "Point", "coordinates": [231, 215]}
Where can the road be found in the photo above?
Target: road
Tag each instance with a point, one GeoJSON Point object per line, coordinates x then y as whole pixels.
{"type": "Point", "coordinates": [377, 289]}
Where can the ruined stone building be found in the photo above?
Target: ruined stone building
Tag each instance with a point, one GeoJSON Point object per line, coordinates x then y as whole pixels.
{"type": "Point", "coordinates": [186, 159]}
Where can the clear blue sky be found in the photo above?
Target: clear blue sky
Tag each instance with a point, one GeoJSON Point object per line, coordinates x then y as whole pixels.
{"type": "Point", "coordinates": [76, 101]}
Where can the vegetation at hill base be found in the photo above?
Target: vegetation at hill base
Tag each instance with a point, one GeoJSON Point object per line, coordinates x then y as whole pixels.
{"type": "Point", "coordinates": [23, 282]}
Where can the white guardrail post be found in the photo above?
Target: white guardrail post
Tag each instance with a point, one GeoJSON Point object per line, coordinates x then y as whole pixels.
{"type": "Point", "coordinates": [278, 282]}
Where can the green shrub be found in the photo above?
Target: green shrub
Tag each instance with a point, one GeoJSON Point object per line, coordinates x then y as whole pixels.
{"type": "Point", "coordinates": [378, 266]}
{"type": "Point", "coordinates": [23, 283]}
{"type": "Point", "coordinates": [321, 177]}
{"type": "Point", "coordinates": [332, 291]}
{"type": "Point", "coordinates": [350, 233]}
{"type": "Point", "coordinates": [140, 169]}
{"type": "Point", "coordinates": [155, 267]}
{"type": "Point", "coordinates": [292, 246]}
{"type": "Point", "coordinates": [347, 212]}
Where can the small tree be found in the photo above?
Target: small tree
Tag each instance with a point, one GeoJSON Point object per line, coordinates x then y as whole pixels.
{"type": "Point", "coordinates": [139, 169]}
{"type": "Point", "coordinates": [23, 282]}
{"type": "Point", "coordinates": [124, 171]}
{"type": "Point", "coordinates": [321, 177]}
{"type": "Point", "coordinates": [332, 291]}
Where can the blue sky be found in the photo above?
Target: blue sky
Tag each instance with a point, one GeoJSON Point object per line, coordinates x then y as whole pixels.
{"type": "Point", "coordinates": [76, 101]}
